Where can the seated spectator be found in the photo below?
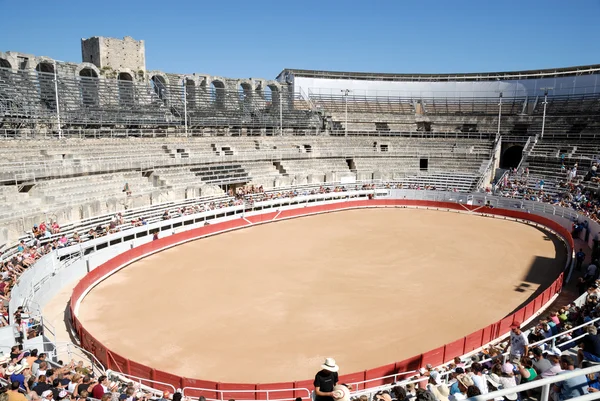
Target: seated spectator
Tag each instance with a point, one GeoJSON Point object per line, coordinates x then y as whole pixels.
{"type": "Point", "coordinates": [42, 385]}
{"type": "Point", "coordinates": [540, 364]}
{"type": "Point", "coordinates": [14, 394]}
{"type": "Point", "coordinates": [554, 357]}
{"type": "Point", "coordinates": [463, 382]}
{"type": "Point", "coordinates": [589, 347]}
{"type": "Point", "coordinates": [569, 388]}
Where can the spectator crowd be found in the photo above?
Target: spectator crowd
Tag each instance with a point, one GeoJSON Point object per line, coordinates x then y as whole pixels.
{"type": "Point", "coordinates": [580, 193]}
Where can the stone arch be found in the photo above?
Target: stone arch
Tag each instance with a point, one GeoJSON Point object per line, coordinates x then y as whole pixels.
{"type": "Point", "coordinates": [275, 91]}
{"type": "Point", "coordinates": [88, 73]}
{"type": "Point", "coordinates": [9, 61]}
{"type": "Point", "coordinates": [217, 93]}
{"type": "Point", "coordinates": [45, 75]}
{"type": "Point", "coordinates": [91, 70]}
{"type": "Point", "coordinates": [88, 85]}
{"type": "Point", "coordinates": [259, 89]}
{"type": "Point", "coordinates": [245, 92]}
{"type": "Point", "coordinates": [511, 157]}
{"type": "Point", "coordinates": [126, 88]}
{"type": "Point", "coordinates": [159, 84]}
{"type": "Point", "coordinates": [5, 68]}
{"type": "Point", "coordinates": [45, 66]}
{"type": "Point", "coordinates": [190, 85]}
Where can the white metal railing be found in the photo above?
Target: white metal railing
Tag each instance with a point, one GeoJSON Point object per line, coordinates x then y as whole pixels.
{"type": "Point", "coordinates": [140, 381]}
{"type": "Point", "coordinates": [395, 377]}
{"type": "Point", "coordinates": [306, 393]}
{"type": "Point", "coordinates": [544, 384]}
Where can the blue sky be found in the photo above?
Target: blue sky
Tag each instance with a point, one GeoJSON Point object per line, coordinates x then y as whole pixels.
{"type": "Point", "coordinates": [260, 38]}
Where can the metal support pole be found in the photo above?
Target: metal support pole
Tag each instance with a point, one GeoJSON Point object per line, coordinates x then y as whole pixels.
{"type": "Point", "coordinates": [545, 392]}
{"type": "Point", "coordinates": [346, 92]}
{"type": "Point", "coordinates": [57, 105]}
{"type": "Point", "coordinates": [346, 122]}
{"type": "Point", "coordinates": [185, 106]}
{"type": "Point", "coordinates": [544, 115]}
{"type": "Point", "coordinates": [499, 113]}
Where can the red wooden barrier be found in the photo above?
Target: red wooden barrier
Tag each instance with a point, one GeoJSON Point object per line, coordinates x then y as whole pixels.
{"type": "Point", "coordinates": [454, 349]}
{"type": "Point", "coordinates": [308, 384]}
{"type": "Point", "coordinates": [276, 395]}
{"type": "Point", "coordinates": [249, 393]}
{"type": "Point", "coordinates": [435, 357]}
{"type": "Point", "coordinates": [474, 341]}
{"type": "Point", "coordinates": [208, 385]}
{"type": "Point", "coordinates": [168, 378]}
{"type": "Point", "coordinates": [118, 363]}
{"type": "Point", "coordinates": [354, 378]}
{"type": "Point", "coordinates": [380, 372]}
{"type": "Point", "coordinates": [408, 365]}
{"type": "Point", "coordinates": [139, 370]}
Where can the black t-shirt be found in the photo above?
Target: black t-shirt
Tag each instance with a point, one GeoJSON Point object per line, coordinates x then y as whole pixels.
{"type": "Point", "coordinates": [83, 387]}
{"type": "Point", "coordinates": [41, 387]}
{"type": "Point", "coordinates": [325, 381]}
{"type": "Point", "coordinates": [591, 344]}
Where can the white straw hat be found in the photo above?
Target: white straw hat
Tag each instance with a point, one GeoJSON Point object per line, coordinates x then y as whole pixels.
{"type": "Point", "coordinates": [330, 365]}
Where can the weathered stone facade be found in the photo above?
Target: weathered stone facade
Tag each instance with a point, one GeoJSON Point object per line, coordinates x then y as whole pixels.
{"type": "Point", "coordinates": [116, 54]}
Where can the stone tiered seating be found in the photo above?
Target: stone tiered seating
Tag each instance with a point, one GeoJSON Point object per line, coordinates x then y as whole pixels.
{"type": "Point", "coordinates": [80, 178]}
{"type": "Point", "coordinates": [221, 174]}
{"type": "Point", "coordinates": [547, 157]}
{"type": "Point", "coordinates": [262, 173]}
{"type": "Point", "coordinates": [462, 182]}
{"type": "Point", "coordinates": [569, 105]}
{"type": "Point", "coordinates": [84, 188]}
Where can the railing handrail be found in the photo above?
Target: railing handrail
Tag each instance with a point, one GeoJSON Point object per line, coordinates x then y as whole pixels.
{"type": "Point", "coordinates": [262, 391]}
{"type": "Point", "coordinates": [140, 379]}
{"type": "Point", "coordinates": [538, 383]}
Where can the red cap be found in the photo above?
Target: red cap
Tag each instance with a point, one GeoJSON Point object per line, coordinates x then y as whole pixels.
{"type": "Point", "coordinates": [515, 325]}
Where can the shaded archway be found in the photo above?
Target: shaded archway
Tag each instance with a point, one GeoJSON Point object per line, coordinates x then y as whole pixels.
{"type": "Point", "coordinates": [511, 157]}
{"type": "Point", "coordinates": [245, 93]}
{"type": "Point", "coordinates": [45, 76]}
{"type": "Point", "coordinates": [259, 91]}
{"type": "Point", "coordinates": [159, 85]}
{"type": "Point", "coordinates": [217, 94]}
{"type": "Point", "coordinates": [5, 69]}
{"type": "Point", "coordinates": [125, 83]}
{"type": "Point", "coordinates": [267, 95]}
{"type": "Point", "coordinates": [275, 96]}
{"type": "Point", "coordinates": [88, 85]}
{"type": "Point", "coordinates": [190, 93]}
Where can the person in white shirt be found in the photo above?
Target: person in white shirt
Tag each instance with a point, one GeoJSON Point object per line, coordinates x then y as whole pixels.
{"type": "Point", "coordinates": [478, 379]}
{"type": "Point", "coordinates": [519, 345]}
{"type": "Point", "coordinates": [554, 358]}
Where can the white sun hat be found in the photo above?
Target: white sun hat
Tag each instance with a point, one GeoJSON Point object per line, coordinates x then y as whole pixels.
{"type": "Point", "coordinates": [341, 393]}
{"type": "Point", "coordinates": [330, 365]}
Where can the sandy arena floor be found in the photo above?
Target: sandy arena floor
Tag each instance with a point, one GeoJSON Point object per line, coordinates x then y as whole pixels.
{"type": "Point", "coordinates": [368, 287]}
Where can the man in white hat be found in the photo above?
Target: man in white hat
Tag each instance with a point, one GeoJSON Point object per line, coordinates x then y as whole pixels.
{"type": "Point", "coordinates": [325, 380]}
{"type": "Point", "coordinates": [19, 375]}
{"type": "Point", "coordinates": [554, 357]}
